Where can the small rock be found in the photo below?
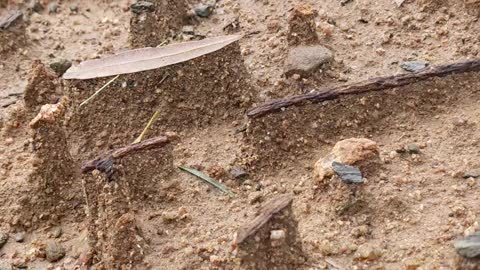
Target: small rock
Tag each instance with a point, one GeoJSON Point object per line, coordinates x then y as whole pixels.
{"type": "Point", "coordinates": [9, 141]}
{"type": "Point", "coordinates": [346, 152]}
{"type": "Point", "coordinates": [473, 173]}
{"type": "Point", "coordinates": [36, 6]}
{"type": "Point", "coordinates": [169, 216]}
{"type": "Point", "coordinates": [203, 10]}
{"type": "Point", "coordinates": [469, 247]}
{"type": "Point", "coordinates": [19, 237]}
{"type": "Point", "coordinates": [54, 251]}
{"type": "Point", "coordinates": [61, 66]}
{"type": "Point", "coordinates": [367, 253]}
{"type": "Point", "coordinates": [5, 265]}
{"type": "Point", "coordinates": [73, 8]}
{"type": "Point", "coordinates": [412, 148]}
{"type": "Point", "coordinates": [52, 7]}
{"type": "Point", "coordinates": [304, 60]}
{"type": "Point", "coordinates": [238, 172]}
{"type": "Point", "coordinates": [57, 232]}
{"type": "Point", "coordinates": [142, 6]}
{"type": "Point", "coordinates": [188, 29]}
{"type": "Point", "coordinates": [277, 235]}
{"type": "Point", "coordinates": [348, 174]}
{"type": "Point", "coordinates": [414, 66]}
{"type": "Point", "coordinates": [3, 239]}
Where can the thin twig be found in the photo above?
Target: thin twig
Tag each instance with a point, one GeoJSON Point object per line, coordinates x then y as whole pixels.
{"type": "Point", "coordinates": [140, 137]}
{"type": "Point", "coordinates": [98, 91]}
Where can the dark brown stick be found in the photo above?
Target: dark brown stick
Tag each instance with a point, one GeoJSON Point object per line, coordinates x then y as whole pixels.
{"type": "Point", "coordinates": [270, 208]}
{"type": "Point", "coordinates": [374, 84]}
{"type": "Point", "coordinates": [104, 162]}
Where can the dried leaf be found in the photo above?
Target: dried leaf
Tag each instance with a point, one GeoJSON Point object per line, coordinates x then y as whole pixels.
{"type": "Point", "coordinates": [207, 179]}
{"type": "Point", "coordinates": [148, 58]}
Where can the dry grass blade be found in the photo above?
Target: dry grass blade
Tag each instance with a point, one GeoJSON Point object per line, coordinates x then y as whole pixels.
{"type": "Point", "coordinates": [148, 58]}
{"type": "Point", "coordinates": [207, 179]}
{"type": "Point", "coordinates": [99, 90]}
{"type": "Point", "coordinates": [140, 137]}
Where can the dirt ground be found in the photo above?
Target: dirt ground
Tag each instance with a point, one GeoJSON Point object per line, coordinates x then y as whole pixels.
{"type": "Point", "coordinates": [406, 215]}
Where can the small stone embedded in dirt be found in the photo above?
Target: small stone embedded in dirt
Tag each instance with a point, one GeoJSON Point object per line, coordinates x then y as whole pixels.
{"type": "Point", "coordinates": [412, 148]}
{"type": "Point", "coordinates": [346, 152]}
{"type": "Point", "coordinates": [469, 247]}
{"type": "Point", "coordinates": [57, 232]}
{"type": "Point", "coordinates": [188, 29]}
{"type": "Point", "coordinates": [203, 10]}
{"type": "Point", "coordinates": [414, 66]}
{"type": "Point", "coordinates": [73, 8]}
{"type": "Point", "coordinates": [36, 6]}
{"type": "Point", "coordinates": [277, 235]}
{"type": "Point", "coordinates": [3, 239]}
{"type": "Point", "coordinates": [347, 173]}
{"type": "Point", "coordinates": [52, 7]}
{"type": "Point", "coordinates": [472, 173]}
{"type": "Point", "coordinates": [61, 66]}
{"type": "Point", "coordinates": [304, 60]}
{"type": "Point", "coordinates": [367, 252]}
{"type": "Point", "coordinates": [5, 265]}
{"type": "Point", "coordinates": [54, 251]}
{"type": "Point", "coordinates": [9, 141]}
{"type": "Point", "coordinates": [169, 216]}
{"type": "Point", "coordinates": [142, 6]}
{"type": "Point", "coordinates": [238, 172]}
{"type": "Point", "coordinates": [19, 237]}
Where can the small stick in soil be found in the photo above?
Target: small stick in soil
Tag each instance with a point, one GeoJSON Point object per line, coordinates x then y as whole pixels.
{"type": "Point", "coordinates": [152, 119]}
{"type": "Point", "coordinates": [375, 84]}
{"type": "Point", "coordinates": [105, 162]}
{"type": "Point", "coordinates": [98, 91]}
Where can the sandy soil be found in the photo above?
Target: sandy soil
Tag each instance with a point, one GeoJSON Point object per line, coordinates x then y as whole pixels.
{"type": "Point", "coordinates": [406, 216]}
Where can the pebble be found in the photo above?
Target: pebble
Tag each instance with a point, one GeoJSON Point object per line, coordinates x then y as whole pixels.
{"type": "Point", "coordinates": [238, 172]}
{"type": "Point", "coordinates": [367, 252]}
{"type": "Point", "coordinates": [203, 10]}
{"type": "Point", "coordinates": [472, 173]}
{"type": "Point", "coordinates": [469, 247]}
{"type": "Point", "coordinates": [57, 232]}
{"type": "Point", "coordinates": [277, 235]}
{"type": "Point", "coordinates": [5, 265]}
{"type": "Point", "coordinates": [19, 237]}
{"type": "Point", "coordinates": [73, 8]}
{"type": "Point", "coordinates": [54, 251]}
{"type": "Point", "coordinates": [347, 173]}
{"type": "Point", "coordinates": [412, 148]}
{"type": "Point", "coordinates": [36, 6]}
{"type": "Point", "coordinates": [52, 7]}
{"type": "Point", "coordinates": [8, 141]}
{"type": "Point", "coordinates": [414, 66]}
{"type": "Point", "coordinates": [3, 239]}
{"type": "Point", "coordinates": [304, 60]}
{"type": "Point", "coordinates": [142, 6]}
{"type": "Point", "coordinates": [61, 66]}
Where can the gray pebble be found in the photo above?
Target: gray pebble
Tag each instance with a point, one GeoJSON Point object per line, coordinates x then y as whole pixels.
{"type": "Point", "coordinates": [238, 172]}
{"type": "Point", "coordinates": [473, 173]}
{"type": "Point", "coordinates": [203, 10]}
{"type": "Point", "coordinates": [348, 174]}
{"type": "Point", "coordinates": [73, 8]}
{"type": "Point", "coordinates": [304, 60]}
{"type": "Point", "coordinates": [52, 7]}
{"type": "Point", "coordinates": [57, 232]}
{"type": "Point", "coordinates": [469, 247]}
{"type": "Point", "coordinates": [412, 149]}
{"type": "Point", "coordinates": [54, 251]}
{"type": "Point", "coordinates": [142, 6]}
{"type": "Point", "coordinates": [61, 66]}
{"type": "Point", "coordinates": [414, 66]}
{"type": "Point", "coordinates": [19, 237]}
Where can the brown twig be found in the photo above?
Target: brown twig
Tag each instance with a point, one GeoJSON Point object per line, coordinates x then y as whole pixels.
{"type": "Point", "coordinates": [374, 84]}
{"type": "Point", "coordinates": [271, 208]}
{"type": "Point", "coordinates": [105, 162]}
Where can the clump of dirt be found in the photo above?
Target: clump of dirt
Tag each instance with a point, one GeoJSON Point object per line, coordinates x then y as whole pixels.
{"type": "Point", "coordinates": [270, 241]}
{"type": "Point", "coordinates": [154, 23]}
{"type": "Point", "coordinates": [52, 176]}
{"type": "Point", "coordinates": [205, 91]}
{"type": "Point", "coordinates": [302, 28]}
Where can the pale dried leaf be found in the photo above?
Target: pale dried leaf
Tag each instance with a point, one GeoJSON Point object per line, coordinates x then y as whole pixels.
{"type": "Point", "coordinates": [147, 58]}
